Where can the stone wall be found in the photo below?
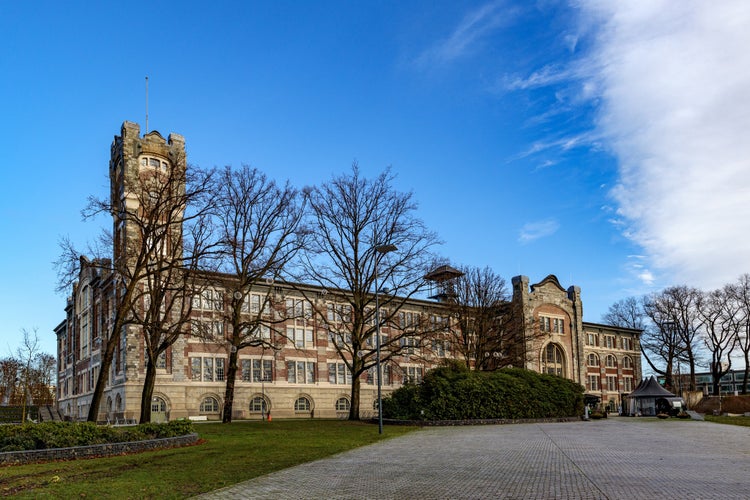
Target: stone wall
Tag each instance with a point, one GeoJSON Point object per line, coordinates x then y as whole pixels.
{"type": "Point", "coordinates": [95, 450]}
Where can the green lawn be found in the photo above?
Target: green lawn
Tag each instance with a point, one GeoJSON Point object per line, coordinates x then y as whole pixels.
{"type": "Point", "coordinates": [227, 455]}
{"type": "Point", "coordinates": [744, 421]}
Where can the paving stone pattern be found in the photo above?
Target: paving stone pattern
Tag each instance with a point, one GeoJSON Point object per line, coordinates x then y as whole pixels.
{"type": "Point", "coordinates": [617, 458]}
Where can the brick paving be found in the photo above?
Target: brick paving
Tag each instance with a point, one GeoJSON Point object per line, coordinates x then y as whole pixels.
{"type": "Point", "coordinates": [617, 458]}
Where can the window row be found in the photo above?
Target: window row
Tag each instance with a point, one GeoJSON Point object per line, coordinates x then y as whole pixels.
{"type": "Point", "coordinates": [154, 163]}
{"type": "Point", "coordinates": [258, 404]}
{"type": "Point", "coordinates": [610, 361]}
{"type": "Point", "coordinates": [610, 383]}
{"type": "Point", "coordinates": [610, 341]}
{"type": "Point", "coordinates": [213, 369]}
{"type": "Point", "coordinates": [551, 325]}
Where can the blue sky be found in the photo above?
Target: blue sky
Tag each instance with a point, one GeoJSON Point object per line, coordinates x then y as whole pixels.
{"type": "Point", "coordinates": [603, 142]}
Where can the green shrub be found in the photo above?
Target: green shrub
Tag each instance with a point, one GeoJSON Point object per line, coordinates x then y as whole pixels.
{"type": "Point", "coordinates": [30, 436]}
{"type": "Point", "coordinates": [453, 392]}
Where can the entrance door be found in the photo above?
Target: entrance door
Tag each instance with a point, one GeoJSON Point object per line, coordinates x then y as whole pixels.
{"type": "Point", "coordinates": [158, 410]}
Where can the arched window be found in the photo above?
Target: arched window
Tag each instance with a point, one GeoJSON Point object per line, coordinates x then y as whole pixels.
{"type": "Point", "coordinates": [553, 360]}
{"type": "Point", "coordinates": [627, 362]}
{"type": "Point", "coordinates": [343, 404]}
{"type": "Point", "coordinates": [611, 361]}
{"type": "Point", "coordinates": [209, 405]}
{"type": "Point", "coordinates": [302, 404]}
{"type": "Point", "coordinates": [593, 360]}
{"type": "Point", "coordinates": [258, 405]}
{"type": "Point", "coordinates": [118, 403]}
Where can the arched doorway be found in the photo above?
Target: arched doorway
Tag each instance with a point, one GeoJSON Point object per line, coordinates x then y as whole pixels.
{"type": "Point", "coordinates": [158, 409]}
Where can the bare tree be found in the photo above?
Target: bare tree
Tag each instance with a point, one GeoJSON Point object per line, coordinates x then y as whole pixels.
{"type": "Point", "coordinates": [627, 313]}
{"type": "Point", "coordinates": [174, 217]}
{"type": "Point", "coordinates": [26, 353]}
{"type": "Point", "coordinates": [718, 311]}
{"type": "Point", "coordinates": [363, 234]}
{"type": "Point", "coordinates": [681, 302]}
{"type": "Point", "coordinates": [260, 231]}
{"type": "Point", "coordinates": [660, 342]}
{"type": "Point", "coordinates": [478, 306]}
{"type": "Point", "coordinates": [740, 292]}
{"type": "Point", "coordinates": [10, 372]}
{"type": "Point", "coordinates": [152, 210]}
{"type": "Point", "coordinates": [674, 335]}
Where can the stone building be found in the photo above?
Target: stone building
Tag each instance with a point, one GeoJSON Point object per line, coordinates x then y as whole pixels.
{"type": "Point", "coordinates": [303, 376]}
{"type": "Point", "coordinates": [605, 359]}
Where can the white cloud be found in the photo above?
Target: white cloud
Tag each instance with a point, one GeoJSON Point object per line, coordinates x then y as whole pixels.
{"type": "Point", "coordinates": [674, 82]}
{"type": "Point", "coordinates": [534, 230]}
{"type": "Point", "coordinates": [474, 27]}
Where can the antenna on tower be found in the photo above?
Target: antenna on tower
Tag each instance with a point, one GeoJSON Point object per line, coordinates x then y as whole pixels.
{"type": "Point", "coordinates": [147, 104]}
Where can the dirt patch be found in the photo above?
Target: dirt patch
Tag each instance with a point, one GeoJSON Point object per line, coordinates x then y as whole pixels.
{"type": "Point", "coordinates": [729, 404]}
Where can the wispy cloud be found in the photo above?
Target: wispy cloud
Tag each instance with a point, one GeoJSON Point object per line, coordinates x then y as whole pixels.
{"type": "Point", "coordinates": [563, 144]}
{"type": "Point", "coordinates": [674, 84]}
{"type": "Point", "coordinates": [470, 31]}
{"type": "Point", "coordinates": [637, 268]}
{"type": "Point", "coordinates": [669, 86]}
{"type": "Point", "coordinates": [540, 229]}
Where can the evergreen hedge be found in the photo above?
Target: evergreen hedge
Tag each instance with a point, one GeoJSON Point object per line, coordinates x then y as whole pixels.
{"type": "Point", "coordinates": [453, 392]}
{"type": "Point", "coordinates": [46, 435]}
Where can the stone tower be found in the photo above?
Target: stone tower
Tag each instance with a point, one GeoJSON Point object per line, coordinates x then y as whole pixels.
{"type": "Point", "coordinates": [147, 181]}
{"type": "Point", "coordinates": [135, 163]}
{"type": "Point", "coordinates": [552, 319]}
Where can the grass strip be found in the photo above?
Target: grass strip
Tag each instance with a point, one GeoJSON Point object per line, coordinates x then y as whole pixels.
{"type": "Point", "coordinates": [227, 454]}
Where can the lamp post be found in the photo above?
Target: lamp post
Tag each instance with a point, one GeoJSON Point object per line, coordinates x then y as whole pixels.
{"type": "Point", "coordinates": [379, 249]}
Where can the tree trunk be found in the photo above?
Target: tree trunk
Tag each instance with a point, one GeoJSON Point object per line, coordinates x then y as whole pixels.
{"type": "Point", "coordinates": [226, 417]}
{"type": "Point", "coordinates": [148, 392]}
{"type": "Point", "coordinates": [101, 381]}
{"type": "Point", "coordinates": [747, 372]}
{"type": "Point", "coordinates": [668, 376]}
{"type": "Point", "coordinates": [354, 408]}
{"type": "Point", "coordinates": [691, 359]}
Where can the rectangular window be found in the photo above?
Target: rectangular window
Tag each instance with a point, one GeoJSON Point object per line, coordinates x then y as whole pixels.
{"type": "Point", "coordinates": [195, 368]}
{"type": "Point", "coordinates": [338, 313]}
{"type": "Point", "coordinates": [611, 383]}
{"type": "Point", "coordinates": [208, 369]}
{"type": "Point", "coordinates": [558, 325]}
{"type": "Point", "coordinates": [161, 360]}
{"type": "Point", "coordinates": [300, 337]}
{"type": "Point", "coordinates": [262, 370]}
{"type": "Point", "coordinates": [594, 382]}
{"type": "Point", "coordinates": [372, 374]}
{"type": "Point", "coordinates": [609, 342]}
{"type": "Point", "coordinates": [627, 344]}
{"type": "Point", "coordinates": [627, 384]}
{"type": "Point", "coordinates": [246, 367]}
{"type": "Point", "coordinates": [591, 339]}
{"type": "Point", "coordinates": [439, 347]}
{"type": "Point", "coordinates": [300, 372]}
{"type": "Point", "coordinates": [219, 369]}
{"type": "Point", "coordinates": [409, 345]}
{"type": "Point", "coordinates": [338, 373]}
{"type": "Point", "coordinates": [414, 374]}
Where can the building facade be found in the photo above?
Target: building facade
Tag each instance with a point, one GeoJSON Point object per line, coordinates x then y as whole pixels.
{"type": "Point", "coordinates": [304, 374]}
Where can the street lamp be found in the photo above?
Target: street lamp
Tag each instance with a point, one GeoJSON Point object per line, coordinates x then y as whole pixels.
{"type": "Point", "coordinates": [381, 249]}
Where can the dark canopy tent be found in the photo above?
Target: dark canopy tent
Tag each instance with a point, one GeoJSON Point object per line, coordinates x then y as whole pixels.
{"type": "Point", "coordinates": [650, 398]}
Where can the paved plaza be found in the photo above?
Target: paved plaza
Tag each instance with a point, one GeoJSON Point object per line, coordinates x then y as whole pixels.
{"type": "Point", "coordinates": [617, 458]}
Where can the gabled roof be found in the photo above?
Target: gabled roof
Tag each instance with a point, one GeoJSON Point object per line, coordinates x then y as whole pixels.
{"type": "Point", "coordinates": [650, 388]}
{"type": "Point", "coordinates": [549, 279]}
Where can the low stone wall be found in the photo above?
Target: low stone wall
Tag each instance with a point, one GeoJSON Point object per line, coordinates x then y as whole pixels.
{"type": "Point", "coordinates": [94, 450]}
{"type": "Point", "coordinates": [484, 421]}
